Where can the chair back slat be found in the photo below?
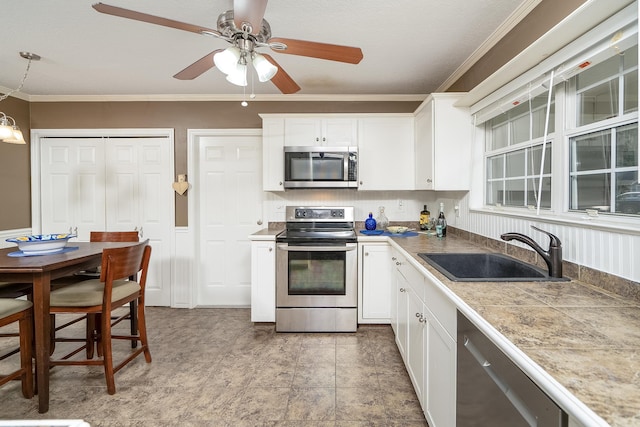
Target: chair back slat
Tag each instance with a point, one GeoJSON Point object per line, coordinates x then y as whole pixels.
{"type": "Point", "coordinates": [114, 236]}
{"type": "Point", "coordinates": [120, 263]}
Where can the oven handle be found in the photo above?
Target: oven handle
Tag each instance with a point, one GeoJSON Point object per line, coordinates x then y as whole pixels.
{"type": "Point", "coordinates": [346, 248]}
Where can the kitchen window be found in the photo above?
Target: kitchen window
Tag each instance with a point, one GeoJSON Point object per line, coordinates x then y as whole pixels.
{"type": "Point", "coordinates": [513, 156]}
{"type": "Point", "coordinates": [591, 153]}
{"type": "Point", "coordinates": [603, 173]}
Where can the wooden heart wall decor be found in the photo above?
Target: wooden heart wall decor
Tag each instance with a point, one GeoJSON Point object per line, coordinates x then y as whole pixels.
{"type": "Point", "coordinates": [182, 185]}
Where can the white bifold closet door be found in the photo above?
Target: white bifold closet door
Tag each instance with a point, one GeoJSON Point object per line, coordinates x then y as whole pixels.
{"type": "Point", "coordinates": [112, 184]}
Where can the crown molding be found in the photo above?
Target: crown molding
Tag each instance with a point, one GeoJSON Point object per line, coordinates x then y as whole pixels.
{"type": "Point", "coordinates": [232, 98]}
{"type": "Point", "coordinates": [514, 19]}
{"type": "Point", "coordinates": [18, 95]}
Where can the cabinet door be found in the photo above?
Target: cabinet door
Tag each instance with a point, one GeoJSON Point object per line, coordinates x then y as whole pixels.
{"type": "Point", "coordinates": [72, 185]}
{"type": "Point", "coordinates": [394, 288]}
{"type": "Point", "coordinates": [263, 281]}
{"type": "Point", "coordinates": [402, 313]}
{"type": "Point", "coordinates": [415, 346]}
{"type": "Point", "coordinates": [339, 132]}
{"type": "Point", "coordinates": [302, 132]}
{"type": "Point", "coordinates": [443, 144]}
{"type": "Point", "coordinates": [439, 375]}
{"type": "Point", "coordinates": [375, 292]}
{"type": "Point", "coordinates": [273, 154]}
{"type": "Point", "coordinates": [386, 153]}
{"type": "Point", "coordinates": [424, 148]}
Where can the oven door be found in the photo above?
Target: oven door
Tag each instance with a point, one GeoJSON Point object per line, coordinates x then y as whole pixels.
{"type": "Point", "coordinates": [316, 276]}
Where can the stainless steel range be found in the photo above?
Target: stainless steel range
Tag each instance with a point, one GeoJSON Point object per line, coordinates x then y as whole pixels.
{"type": "Point", "coordinates": [316, 271]}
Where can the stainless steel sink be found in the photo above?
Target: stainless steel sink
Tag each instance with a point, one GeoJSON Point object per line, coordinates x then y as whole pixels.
{"type": "Point", "coordinates": [485, 267]}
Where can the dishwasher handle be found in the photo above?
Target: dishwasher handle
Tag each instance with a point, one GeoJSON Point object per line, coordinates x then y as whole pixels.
{"type": "Point", "coordinates": [345, 248]}
{"type": "Point", "coordinates": [511, 394]}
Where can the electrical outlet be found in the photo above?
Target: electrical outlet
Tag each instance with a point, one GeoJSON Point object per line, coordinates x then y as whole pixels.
{"type": "Point", "coordinates": [400, 205]}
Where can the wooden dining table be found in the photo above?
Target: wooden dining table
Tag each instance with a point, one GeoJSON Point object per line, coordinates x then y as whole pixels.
{"type": "Point", "coordinates": [40, 271]}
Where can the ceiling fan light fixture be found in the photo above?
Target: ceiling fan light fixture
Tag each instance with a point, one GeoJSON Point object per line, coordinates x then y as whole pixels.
{"type": "Point", "coordinates": [227, 60]}
{"type": "Point", "coordinates": [238, 76]}
{"type": "Point", "coordinates": [265, 69]}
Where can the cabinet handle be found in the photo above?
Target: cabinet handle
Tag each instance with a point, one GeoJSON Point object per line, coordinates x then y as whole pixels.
{"type": "Point", "coordinates": [324, 139]}
{"type": "Point", "coordinates": [429, 180]}
{"type": "Point", "coordinates": [422, 319]}
{"type": "Point", "coordinates": [270, 249]}
{"type": "Point", "coordinates": [403, 290]}
{"type": "Point", "coordinates": [398, 263]}
{"type": "Point", "coordinates": [317, 139]}
{"type": "Point", "coordinates": [259, 222]}
{"type": "Point", "coordinates": [366, 254]}
{"type": "Point", "coordinates": [280, 183]}
{"type": "Point", "coordinates": [360, 182]}
{"type": "Point", "coordinates": [393, 258]}
{"type": "Point", "coordinates": [418, 315]}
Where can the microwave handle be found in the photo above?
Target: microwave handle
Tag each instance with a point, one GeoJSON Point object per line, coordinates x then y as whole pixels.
{"type": "Point", "coordinates": [346, 248]}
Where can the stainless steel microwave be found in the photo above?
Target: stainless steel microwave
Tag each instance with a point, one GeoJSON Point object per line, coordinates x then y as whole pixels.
{"type": "Point", "coordinates": [320, 167]}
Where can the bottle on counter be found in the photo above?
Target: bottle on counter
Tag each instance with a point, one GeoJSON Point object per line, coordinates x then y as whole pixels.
{"type": "Point", "coordinates": [382, 220]}
{"type": "Point", "coordinates": [441, 223]}
{"type": "Point", "coordinates": [370, 223]}
{"type": "Point", "coordinates": [425, 215]}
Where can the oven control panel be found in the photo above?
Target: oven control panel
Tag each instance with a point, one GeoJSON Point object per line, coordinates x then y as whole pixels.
{"type": "Point", "coordinates": [328, 214]}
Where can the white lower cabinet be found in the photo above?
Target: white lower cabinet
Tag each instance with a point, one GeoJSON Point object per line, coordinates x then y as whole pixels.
{"type": "Point", "coordinates": [439, 374]}
{"type": "Point", "coordinates": [415, 359]}
{"type": "Point", "coordinates": [401, 299]}
{"type": "Point", "coordinates": [263, 281]}
{"type": "Point", "coordinates": [424, 323]}
{"type": "Point", "coordinates": [374, 283]}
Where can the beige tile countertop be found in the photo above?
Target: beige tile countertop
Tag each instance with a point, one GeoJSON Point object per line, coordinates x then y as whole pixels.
{"type": "Point", "coordinates": [583, 337]}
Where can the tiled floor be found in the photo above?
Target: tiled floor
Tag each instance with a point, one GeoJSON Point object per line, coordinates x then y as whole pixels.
{"type": "Point", "coordinates": [213, 367]}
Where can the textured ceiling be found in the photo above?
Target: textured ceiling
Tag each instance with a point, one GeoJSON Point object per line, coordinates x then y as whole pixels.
{"type": "Point", "coordinates": [410, 46]}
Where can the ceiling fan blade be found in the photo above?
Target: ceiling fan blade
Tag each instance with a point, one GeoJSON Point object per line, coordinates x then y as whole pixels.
{"type": "Point", "coordinates": [152, 19]}
{"type": "Point", "coordinates": [331, 52]}
{"type": "Point", "coordinates": [197, 68]}
{"type": "Point", "coordinates": [282, 80]}
{"type": "Point", "coordinates": [249, 12]}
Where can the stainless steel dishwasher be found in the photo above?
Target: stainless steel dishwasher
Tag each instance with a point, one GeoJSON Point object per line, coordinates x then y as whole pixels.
{"type": "Point", "coordinates": [493, 391]}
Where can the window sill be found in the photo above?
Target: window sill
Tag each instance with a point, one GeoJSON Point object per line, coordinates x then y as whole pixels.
{"type": "Point", "coordinates": [623, 225]}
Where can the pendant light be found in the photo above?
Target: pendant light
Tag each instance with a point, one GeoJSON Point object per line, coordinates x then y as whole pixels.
{"type": "Point", "coordinates": [9, 131]}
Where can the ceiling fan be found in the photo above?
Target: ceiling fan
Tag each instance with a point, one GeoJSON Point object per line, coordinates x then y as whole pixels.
{"type": "Point", "coordinates": [246, 30]}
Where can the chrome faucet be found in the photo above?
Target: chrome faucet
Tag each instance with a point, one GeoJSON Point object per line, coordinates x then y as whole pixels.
{"type": "Point", "coordinates": [553, 256]}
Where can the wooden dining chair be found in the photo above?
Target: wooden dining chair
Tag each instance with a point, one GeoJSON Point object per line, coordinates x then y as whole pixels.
{"type": "Point", "coordinates": [121, 236]}
{"type": "Point", "coordinates": [96, 236]}
{"type": "Point", "coordinates": [99, 297]}
{"type": "Point", "coordinates": [21, 311]}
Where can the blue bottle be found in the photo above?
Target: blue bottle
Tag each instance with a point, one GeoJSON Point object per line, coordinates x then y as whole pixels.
{"type": "Point", "coordinates": [370, 223]}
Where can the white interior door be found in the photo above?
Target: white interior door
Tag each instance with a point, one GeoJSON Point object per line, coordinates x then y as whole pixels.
{"type": "Point", "coordinates": [139, 197]}
{"type": "Point", "coordinates": [72, 185]}
{"type": "Point", "coordinates": [229, 184]}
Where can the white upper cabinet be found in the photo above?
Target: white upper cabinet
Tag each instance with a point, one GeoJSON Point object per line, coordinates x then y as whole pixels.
{"type": "Point", "coordinates": [443, 144]}
{"type": "Point", "coordinates": [315, 131]}
{"type": "Point", "coordinates": [272, 154]}
{"type": "Point", "coordinates": [386, 152]}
